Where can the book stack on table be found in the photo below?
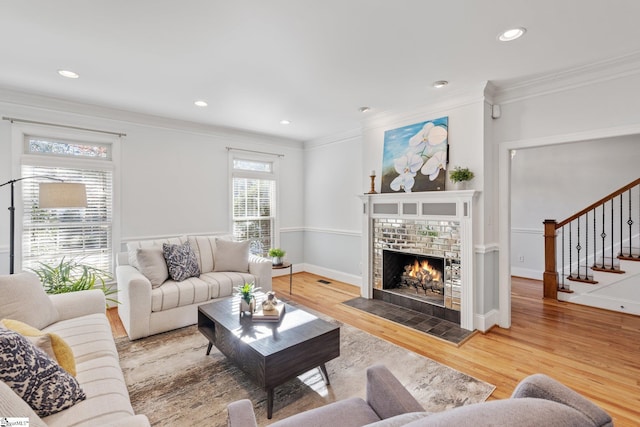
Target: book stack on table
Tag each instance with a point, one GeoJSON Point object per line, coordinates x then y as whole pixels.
{"type": "Point", "coordinates": [273, 315]}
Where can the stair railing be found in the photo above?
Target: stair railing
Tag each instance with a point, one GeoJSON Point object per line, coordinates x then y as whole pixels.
{"type": "Point", "coordinates": [590, 238]}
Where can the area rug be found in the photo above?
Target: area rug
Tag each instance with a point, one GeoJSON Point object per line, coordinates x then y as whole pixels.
{"type": "Point", "coordinates": [173, 382]}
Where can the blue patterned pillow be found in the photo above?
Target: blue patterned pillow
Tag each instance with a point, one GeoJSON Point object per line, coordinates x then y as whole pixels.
{"type": "Point", "coordinates": [35, 377]}
{"type": "Point", "coordinates": [181, 261]}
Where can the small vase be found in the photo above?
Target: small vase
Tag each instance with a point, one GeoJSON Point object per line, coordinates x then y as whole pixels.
{"type": "Point", "coordinates": [277, 260]}
{"type": "Point", "coordinates": [459, 185]}
{"type": "Point", "coordinates": [247, 307]}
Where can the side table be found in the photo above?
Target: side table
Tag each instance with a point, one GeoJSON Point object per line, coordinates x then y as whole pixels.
{"type": "Point", "coordinates": [283, 266]}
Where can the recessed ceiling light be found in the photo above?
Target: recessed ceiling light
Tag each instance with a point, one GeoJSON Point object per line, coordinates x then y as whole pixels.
{"type": "Point", "coordinates": [201, 103]}
{"type": "Point", "coordinates": [511, 34]}
{"type": "Point", "coordinates": [364, 109]}
{"type": "Point", "coordinates": [68, 74]}
{"type": "Point", "coordinates": [285, 122]}
{"type": "Point", "coordinates": [440, 83]}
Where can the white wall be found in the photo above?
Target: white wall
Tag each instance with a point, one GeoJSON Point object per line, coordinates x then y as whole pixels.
{"type": "Point", "coordinates": [174, 174]}
{"type": "Point", "coordinates": [332, 211]}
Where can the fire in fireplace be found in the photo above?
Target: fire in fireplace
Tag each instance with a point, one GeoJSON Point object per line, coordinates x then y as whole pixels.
{"type": "Point", "coordinates": [422, 275]}
{"type": "Point", "coordinates": [413, 275]}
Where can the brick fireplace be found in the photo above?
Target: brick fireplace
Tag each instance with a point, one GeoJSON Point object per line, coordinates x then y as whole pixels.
{"type": "Point", "coordinates": [418, 249]}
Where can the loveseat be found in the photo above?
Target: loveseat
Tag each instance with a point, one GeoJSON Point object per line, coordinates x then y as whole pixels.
{"type": "Point", "coordinates": [538, 400]}
{"type": "Point", "coordinates": [152, 301]}
{"type": "Point", "coordinates": [72, 375]}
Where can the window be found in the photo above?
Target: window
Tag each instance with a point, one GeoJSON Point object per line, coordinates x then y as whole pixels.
{"type": "Point", "coordinates": [254, 203]}
{"type": "Point", "coordinates": [50, 234]}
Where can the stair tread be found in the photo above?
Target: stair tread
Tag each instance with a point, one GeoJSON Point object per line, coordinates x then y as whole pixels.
{"type": "Point", "coordinates": [608, 269]}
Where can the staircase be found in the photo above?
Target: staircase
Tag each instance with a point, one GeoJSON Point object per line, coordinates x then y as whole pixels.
{"type": "Point", "coordinates": [593, 257]}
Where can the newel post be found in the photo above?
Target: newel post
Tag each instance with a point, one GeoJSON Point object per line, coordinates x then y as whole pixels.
{"type": "Point", "coordinates": [550, 277]}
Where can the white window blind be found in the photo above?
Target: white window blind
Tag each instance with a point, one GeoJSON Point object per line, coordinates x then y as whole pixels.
{"type": "Point", "coordinates": [50, 234]}
{"type": "Point", "coordinates": [254, 212]}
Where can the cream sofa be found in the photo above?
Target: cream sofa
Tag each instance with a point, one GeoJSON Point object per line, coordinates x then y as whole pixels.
{"type": "Point", "coordinates": [79, 319]}
{"type": "Point", "coordinates": [151, 303]}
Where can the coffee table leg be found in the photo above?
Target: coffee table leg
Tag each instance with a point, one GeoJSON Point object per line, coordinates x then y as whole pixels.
{"type": "Point", "coordinates": [324, 373]}
{"type": "Point", "coordinates": [269, 403]}
{"type": "Point", "coordinates": [209, 348]}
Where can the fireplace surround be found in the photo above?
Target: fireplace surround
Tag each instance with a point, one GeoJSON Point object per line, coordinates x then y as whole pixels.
{"type": "Point", "coordinates": [432, 227]}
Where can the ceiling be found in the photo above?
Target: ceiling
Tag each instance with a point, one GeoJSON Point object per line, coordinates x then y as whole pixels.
{"type": "Point", "coordinates": [314, 63]}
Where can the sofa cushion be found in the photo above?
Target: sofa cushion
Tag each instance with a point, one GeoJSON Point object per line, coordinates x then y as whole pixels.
{"type": "Point", "coordinates": [232, 256]}
{"type": "Point", "coordinates": [107, 396]}
{"type": "Point", "coordinates": [344, 413]}
{"type": "Point", "coordinates": [153, 265]}
{"type": "Point", "coordinates": [89, 336]}
{"type": "Point", "coordinates": [181, 261]}
{"type": "Point", "coordinates": [196, 290]}
{"type": "Point", "coordinates": [24, 299]}
{"type": "Point", "coordinates": [133, 246]}
{"type": "Point", "coordinates": [62, 353]}
{"type": "Point", "coordinates": [35, 377]}
{"type": "Point", "coordinates": [525, 412]}
{"type": "Point", "coordinates": [399, 420]}
{"type": "Point", "coordinates": [205, 249]}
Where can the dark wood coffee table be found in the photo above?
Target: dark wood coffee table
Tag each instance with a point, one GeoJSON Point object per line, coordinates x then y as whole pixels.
{"type": "Point", "coordinates": [270, 353]}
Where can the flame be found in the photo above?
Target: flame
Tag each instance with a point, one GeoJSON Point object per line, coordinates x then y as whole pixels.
{"type": "Point", "coordinates": [421, 269]}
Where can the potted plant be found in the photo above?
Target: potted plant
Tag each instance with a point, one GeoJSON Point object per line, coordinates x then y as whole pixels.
{"type": "Point", "coordinates": [459, 176]}
{"type": "Point", "coordinates": [276, 255]}
{"type": "Point", "coordinates": [247, 297]}
{"type": "Point", "coordinates": [73, 276]}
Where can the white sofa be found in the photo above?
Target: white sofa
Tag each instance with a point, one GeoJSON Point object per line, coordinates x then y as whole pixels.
{"type": "Point", "coordinates": [150, 303]}
{"type": "Point", "coordinates": [79, 319]}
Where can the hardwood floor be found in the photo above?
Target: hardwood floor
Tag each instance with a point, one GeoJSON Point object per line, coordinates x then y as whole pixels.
{"type": "Point", "coordinates": [593, 351]}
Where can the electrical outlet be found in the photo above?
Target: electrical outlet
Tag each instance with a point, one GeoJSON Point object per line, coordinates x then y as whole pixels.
{"type": "Point", "coordinates": [521, 258]}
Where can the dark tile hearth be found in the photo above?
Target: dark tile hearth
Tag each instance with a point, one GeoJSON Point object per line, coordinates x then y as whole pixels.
{"type": "Point", "coordinates": [430, 325]}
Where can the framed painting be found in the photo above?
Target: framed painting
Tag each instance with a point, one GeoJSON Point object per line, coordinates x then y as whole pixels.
{"type": "Point", "coordinates": [415, 157]}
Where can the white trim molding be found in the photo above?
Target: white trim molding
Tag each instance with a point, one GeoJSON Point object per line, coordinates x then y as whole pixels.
{"type": "Point", "coordinates": [333, 274]}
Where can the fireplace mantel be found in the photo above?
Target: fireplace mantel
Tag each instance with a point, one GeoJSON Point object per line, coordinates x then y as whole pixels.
{"type": "Point", "coordinates": [455, 206]}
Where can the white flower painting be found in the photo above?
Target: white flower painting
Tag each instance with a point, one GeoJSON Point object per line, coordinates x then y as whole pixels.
{"type": "Point", "coordinates": [415, 157]}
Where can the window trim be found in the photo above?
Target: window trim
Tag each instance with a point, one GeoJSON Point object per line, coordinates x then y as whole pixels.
{"type": "Point", "coordinates": [273, 175]}
{"type": "Point", "coordinates": [19, 133]}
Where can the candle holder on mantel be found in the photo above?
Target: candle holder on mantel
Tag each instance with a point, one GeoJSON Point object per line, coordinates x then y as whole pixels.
{"type": "Point", "coordinates": [373, 184]}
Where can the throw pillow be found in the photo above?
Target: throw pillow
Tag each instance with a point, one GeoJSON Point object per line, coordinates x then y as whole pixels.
{"type": "Point", "coordinates": [152, 264]}
{"type": "Point", "coordinates": [24, 299]}
{"type": "Point", "coordinates": [181, 261]}
{"type": "Point", "coordinates": [232, 256]}
{"type": "Point", "coordinates": [35, 377]}
{"type": "Point", "coordinates": [61, 352]}
{"type": "Point", "coordinates": [43, 342]}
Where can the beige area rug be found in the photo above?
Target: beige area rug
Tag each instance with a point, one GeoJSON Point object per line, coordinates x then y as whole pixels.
{"type": "Point", "coordinates": [173, 382]}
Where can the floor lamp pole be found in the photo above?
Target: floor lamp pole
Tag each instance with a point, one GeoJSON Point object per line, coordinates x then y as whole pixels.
{"type": "Point", "coordinates": [12, 229]}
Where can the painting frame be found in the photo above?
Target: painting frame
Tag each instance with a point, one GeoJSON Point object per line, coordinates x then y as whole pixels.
{"type": "Point", "coordinates": [415, 157]}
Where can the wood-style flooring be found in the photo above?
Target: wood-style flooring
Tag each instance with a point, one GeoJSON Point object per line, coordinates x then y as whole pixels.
{"type": "Point", "coordinates": [595, 352]}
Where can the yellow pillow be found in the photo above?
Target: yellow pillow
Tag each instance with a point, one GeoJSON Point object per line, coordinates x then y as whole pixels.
{"type": "Point", "coordinates": [61, 350]}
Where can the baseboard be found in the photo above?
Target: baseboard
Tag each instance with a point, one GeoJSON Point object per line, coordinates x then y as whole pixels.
{"type": "Point", "coordinates": [484, 322]}
{"type": "Point", "coordinates": [334, 274]}
{"type": "Point", "coordinates": [527, 273]}
{"type": "Point", "coordinates": [297, 268]}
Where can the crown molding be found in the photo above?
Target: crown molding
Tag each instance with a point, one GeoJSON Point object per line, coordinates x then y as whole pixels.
{"type": "Point", "coordinates": [48, 104]}
{"type": "Point", "coordinates": [448, 100]}
{"type": "Point", "coordinates": [333, 139]}
{"type": "Point", "coordinates": [569, 79]}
